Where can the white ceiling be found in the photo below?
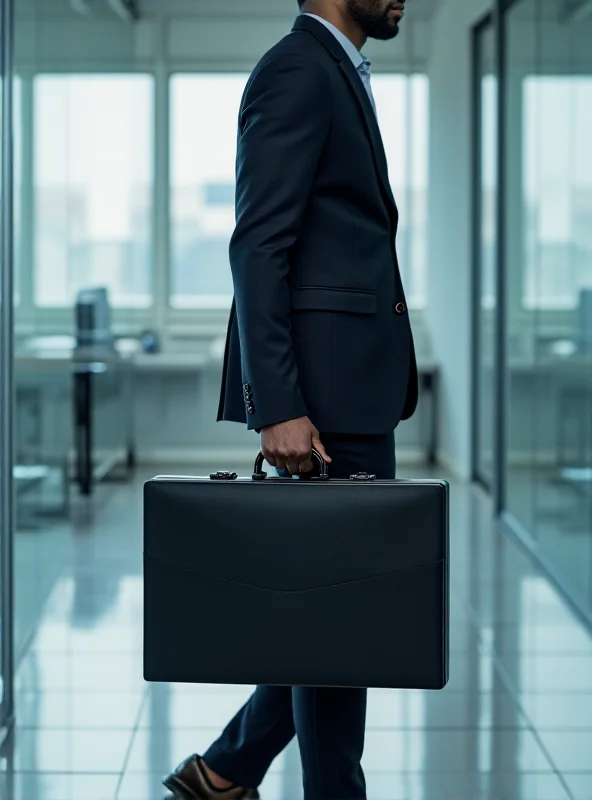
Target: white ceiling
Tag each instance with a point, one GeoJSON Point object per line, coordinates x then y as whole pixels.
{"type": "Point", "coordinates": [100, 9]}
{"type": "Point", "coordinates": [416, 8]}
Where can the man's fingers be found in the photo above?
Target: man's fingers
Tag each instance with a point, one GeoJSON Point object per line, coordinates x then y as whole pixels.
{"type": "Point", "coordinates": [318, 445]}
{"type": "Point", "coordinates": [289, 445]}
{"type": "Point", "coordinates": [293, 463]}
{"type": "Point", "coordinates": [306, 465]}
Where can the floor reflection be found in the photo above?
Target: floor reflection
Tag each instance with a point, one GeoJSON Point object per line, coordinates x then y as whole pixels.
{"type": "Point", "coordinates": [515, 723]}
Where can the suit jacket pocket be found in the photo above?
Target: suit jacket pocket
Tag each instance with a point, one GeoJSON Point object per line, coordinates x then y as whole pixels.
{"type": "Point", "coordinates": [325, 298]}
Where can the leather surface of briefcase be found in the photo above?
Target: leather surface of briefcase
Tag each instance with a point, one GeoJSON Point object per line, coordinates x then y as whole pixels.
{"type": "Point", "coordinates": [296, 582]}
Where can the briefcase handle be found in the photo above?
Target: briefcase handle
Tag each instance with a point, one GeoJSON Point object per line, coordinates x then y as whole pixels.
{"type": "Point", "coordinates": [259, 475]}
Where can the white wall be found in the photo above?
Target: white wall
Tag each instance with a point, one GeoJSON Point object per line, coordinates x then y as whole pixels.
{"type": "Point", "coordinates": [181, 34]}
{"type": "Point", "coordinates": [448, 317]}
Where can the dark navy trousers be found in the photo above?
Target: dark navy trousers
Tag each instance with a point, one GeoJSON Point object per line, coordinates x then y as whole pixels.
{"type": "Point", "coordinates": [329, 723]}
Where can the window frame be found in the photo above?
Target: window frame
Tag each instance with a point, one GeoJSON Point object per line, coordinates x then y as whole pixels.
{"type": "Point", "coordinates": [179, 316]}
{"type": "Point", "coordinates": [182, 320]}
{"type": "Point", "coordinates": [159, 316]}
{"type": "Point", "coordinates": [33, 319]}
{"type": "Point", "coordinates": [30, 239]}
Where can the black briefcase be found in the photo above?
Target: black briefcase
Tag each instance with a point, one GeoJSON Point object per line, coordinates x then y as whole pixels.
{"type": "Point", "coordinates": [296, 582]}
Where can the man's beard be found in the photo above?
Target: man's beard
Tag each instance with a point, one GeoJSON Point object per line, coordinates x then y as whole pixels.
{"type": "Point", "coordinates": [375, 25]}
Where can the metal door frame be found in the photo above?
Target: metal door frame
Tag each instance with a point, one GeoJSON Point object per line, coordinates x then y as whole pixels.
{"type": "Point", "coordinates": [484, 24]}
{"type": "Point", "coordinates": [496, 19]}
{"type": "Point", "coordinates": [6, 354]}
{"type": "Point", "coordinates": [501, 362]}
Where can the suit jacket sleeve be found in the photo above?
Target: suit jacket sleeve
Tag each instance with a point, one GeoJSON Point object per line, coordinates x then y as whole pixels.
{"type": "Point", "coordinates": [282, 131]}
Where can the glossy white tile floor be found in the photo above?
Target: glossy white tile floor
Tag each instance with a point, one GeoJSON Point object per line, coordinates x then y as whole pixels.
{"type": "Point", "coordinates": [515, 723]}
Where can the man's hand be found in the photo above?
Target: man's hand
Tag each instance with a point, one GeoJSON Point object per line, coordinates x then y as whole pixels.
{"type": "Point", "coordinates": [289, 444]}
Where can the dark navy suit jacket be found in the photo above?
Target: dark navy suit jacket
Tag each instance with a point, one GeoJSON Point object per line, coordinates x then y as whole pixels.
{"type": "Point", "coordinates": [319, 325]}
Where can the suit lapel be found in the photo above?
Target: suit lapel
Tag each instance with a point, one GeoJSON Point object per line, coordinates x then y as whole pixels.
{"type": "Point", "coordinates": [326, 38]}
{"type": "Point", "coordinates": [372, 128]}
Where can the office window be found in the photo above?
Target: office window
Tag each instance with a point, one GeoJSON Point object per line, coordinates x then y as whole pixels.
{"type": "Point", "coordinates": [488, 189]}
{"type": "Point", "coordinates": [17, 185]}
{"type": "Point", "coordinates": [93, 154]}
{"type": "Point", "coordinates": [204, 110]}
{"type": "Point", "coordinates": [557, 205]}
{"type": "Point", "coordinates": [204, 118]}
{"type": "Point", "coordinates": [402, 103]}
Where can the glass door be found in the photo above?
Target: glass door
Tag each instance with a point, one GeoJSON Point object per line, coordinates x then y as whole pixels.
{"type": "Point", "coordinates": [5, 369]}
{"type": "Point", "coordinates": [547, 247]}
{"type": "Point", "coordinates": [484, 249]}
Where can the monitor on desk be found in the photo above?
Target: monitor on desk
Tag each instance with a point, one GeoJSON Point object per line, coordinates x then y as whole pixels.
{"type": "Point", "coordinates": [585, 320]}
{"type": "Point", "coordinates": [93, 318]}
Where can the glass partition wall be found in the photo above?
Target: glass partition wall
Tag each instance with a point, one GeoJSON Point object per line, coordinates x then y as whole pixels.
{"type": "Point", "coordinates": [544, 334]}
{"type": "Point", "coordinates": [557, 287]}
{"type": "Point", "coordinates": [548, 258]}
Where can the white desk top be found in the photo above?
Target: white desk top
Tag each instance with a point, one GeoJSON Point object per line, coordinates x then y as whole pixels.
{"type": "Point", "coordinates": [57, 352]}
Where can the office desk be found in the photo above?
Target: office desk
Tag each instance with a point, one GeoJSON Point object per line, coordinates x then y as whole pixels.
{"type": "Point", "coordinates": [98, 382]}
{"type": "Point", "coordinates": [563, 392]}
{"type": "Point", "coordinates": [99, 423]}
{"type": "Point", "coordinates": [95, 375]}
{"type": "Point", "coordinates": [42, 439]}
{"type": "Point", "coordinates": [210, 358]}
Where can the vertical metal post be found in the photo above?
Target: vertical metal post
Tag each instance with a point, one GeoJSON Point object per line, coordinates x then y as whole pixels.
{"type": "Point", "coordinates": [6, 352]}
{"type": "Point", "coordinates": [501, 364]}
{"type": "Point", "coordinates": [161, 212]}
{"type": "Point", "coordinates": [480, 31]}
{"type": "Point", "coordinates": [476, 166]}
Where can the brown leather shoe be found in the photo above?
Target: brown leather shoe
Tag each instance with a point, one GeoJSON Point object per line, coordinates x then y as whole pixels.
{"type": "Point", "coordinates": [190, 782]}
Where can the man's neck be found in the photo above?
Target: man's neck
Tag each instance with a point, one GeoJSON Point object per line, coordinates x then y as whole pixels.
{"type": "Point", "coordinates": [340, 19]}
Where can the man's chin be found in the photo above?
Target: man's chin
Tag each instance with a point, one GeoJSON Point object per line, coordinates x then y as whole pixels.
{"type": "Point", "coordinates": [385, 34]}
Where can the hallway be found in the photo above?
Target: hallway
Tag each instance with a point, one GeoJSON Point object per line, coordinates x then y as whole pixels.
{"type": "Point", "coordinates": [515, 722]}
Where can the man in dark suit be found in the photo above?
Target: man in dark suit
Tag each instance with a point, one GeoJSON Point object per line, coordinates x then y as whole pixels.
{"type": "Point", "coordinates": [319, 350]}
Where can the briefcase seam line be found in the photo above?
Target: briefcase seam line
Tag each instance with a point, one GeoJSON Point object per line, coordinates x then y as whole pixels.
{"type": "Point", "coordinates": [165, 563]}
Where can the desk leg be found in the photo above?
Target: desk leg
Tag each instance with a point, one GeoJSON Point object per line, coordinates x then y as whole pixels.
{"type": "Point", "coordinates": [83, 431]}
{"type": "Point", "coordinates": [430, 384]}
{"type": "Point", "coordinates": [129, 409]}
{"type": "Point", "coordinates": [131, 457]}
{"type": "Point", "coordinates": [435, 444]}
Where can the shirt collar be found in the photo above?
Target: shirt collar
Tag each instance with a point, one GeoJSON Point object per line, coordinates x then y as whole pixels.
{"type": "Point", "coordinates": [352, 51]}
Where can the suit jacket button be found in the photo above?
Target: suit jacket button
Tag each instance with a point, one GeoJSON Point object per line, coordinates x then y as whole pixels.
{"type": "Point", "coordinates": [251, 408]}
{"type": "Point", "coordinates": [246, 387]}
{"type": "Point", "coordinates": [399, 308]}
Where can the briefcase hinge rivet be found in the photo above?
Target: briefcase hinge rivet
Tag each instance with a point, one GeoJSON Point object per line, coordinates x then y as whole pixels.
{"type": "Point", "coordinates": [362, 476]}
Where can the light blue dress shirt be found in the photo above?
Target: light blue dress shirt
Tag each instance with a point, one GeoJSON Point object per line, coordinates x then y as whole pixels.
{"type": "Point", "coordinates": [359, 61]}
